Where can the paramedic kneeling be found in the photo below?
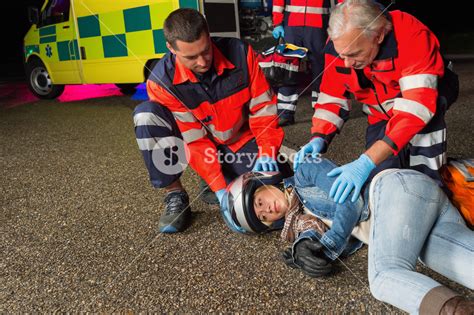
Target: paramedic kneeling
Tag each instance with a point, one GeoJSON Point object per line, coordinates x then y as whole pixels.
{"type": "Point", "coordinates": [207, 95]}
{"type": "Point", "coordinates": [391, 64]}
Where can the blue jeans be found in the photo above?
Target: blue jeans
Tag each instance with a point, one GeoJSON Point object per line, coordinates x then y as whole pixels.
{"type": "Point", "coordinates": [413, 219]}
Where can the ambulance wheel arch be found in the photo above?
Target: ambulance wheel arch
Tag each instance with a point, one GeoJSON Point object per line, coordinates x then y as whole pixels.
{"type": "Point", "coordinates": [127, 88]}
{"type": "Point", "coordinates": [39, 80]}
{"type": "Point", "coordinates": [130, 88]}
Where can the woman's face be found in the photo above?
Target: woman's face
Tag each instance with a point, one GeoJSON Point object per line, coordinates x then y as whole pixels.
{"type": "Point", "coordinates": [270, 204]}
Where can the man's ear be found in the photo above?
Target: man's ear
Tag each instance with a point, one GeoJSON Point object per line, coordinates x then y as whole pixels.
{"type": "Point", "coordinates": [168, 45]}
{"type": "Point", "coordinates": [381, 38]}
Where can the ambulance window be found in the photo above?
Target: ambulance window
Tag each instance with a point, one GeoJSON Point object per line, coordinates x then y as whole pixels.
{"type": "Point", "coordinates": [57, 11]}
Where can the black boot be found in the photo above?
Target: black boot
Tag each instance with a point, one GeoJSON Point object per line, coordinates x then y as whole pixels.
{"type": "Point", "coordinates": [206, 194]}
{"type": "Point", "coordinates": [177, 215]}
{"type": "Point", "coordinates": [286, 118]}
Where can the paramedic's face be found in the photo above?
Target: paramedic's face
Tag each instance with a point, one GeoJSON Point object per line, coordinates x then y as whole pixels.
{"type": "Point", "coordinates": [357, 49]}
{"type": "Point", "coordinates": [196, 56]}
{"type": "Point", "coordinates": [270, 204]}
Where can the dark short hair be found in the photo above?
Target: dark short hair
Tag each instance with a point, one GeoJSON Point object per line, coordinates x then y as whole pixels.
{"type": "Point", "coordinates": [185, 25]}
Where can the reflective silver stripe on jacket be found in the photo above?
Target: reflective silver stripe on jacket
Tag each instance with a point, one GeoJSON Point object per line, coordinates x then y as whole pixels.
{"type": "Point", "coordinates": [329, 116]}
{"type": "Point", "coordinates": [193, 135]}
{"type": "Point", "coordinates": [268, 110]}
{"type": "Point", "coordinates": [387, 106]}
{"type": "Point", "coordinates": [304, 9]}
{"type": "Point", "coordinates": [414, 108]}
{"type": "Point", "coordinates": [184, 116]}
{"type": "Point", "coordinates": [329, 99]}
{"type": "Point", "coordinates": [264, 97]}
{"type": "Point", "coordinates": [278, 9]}
{"type": "Point", "coordinates": [418, 81]}
{"type": "Point", "coordinates": [226, 134]}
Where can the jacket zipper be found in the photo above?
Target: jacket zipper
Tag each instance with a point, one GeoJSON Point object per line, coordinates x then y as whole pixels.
{"type": "Point", "coordinates": [305, 9]}
{"type": "Point", "coordinates": [377, 97]}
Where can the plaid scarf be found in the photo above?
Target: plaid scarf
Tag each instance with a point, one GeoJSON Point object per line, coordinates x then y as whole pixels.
{"type": "Point", "coordinates": [296, 221]}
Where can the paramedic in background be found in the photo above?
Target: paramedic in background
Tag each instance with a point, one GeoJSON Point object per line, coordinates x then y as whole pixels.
{"type": "Point", "coordinates": [211, 93]}
{"type": "Point", "coordinates": [390, 63]}
{"type": "Point", "coordinates": [301, 25]}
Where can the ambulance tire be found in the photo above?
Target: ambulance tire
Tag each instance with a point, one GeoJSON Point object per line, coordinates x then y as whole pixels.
{"type": "Point", "coordinates": [39, 81]}
{"type": "Point", "coordinates": [127, 88]}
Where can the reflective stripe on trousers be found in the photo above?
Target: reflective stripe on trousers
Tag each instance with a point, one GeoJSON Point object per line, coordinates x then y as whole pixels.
{"type": "Point", "coordinates": [314, 39]}
{"type": "Point", "coordinates": [426, 152]}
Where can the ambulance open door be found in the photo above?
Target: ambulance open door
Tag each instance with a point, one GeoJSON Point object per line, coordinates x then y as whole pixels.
{"type": "Point", "coordinates": [222, 17]}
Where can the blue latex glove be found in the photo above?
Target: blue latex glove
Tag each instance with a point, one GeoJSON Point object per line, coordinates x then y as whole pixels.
{"type": "Point", "coordinates": [314, 147]}
{"type": "Point", "coordinates": [220, 194]}
{"type": "Point", "coordinates": [223, 197]}
{"type": "Point", "coordinates": [278, 32]}
{"type": "Point", "coordinates": [265, 164]}
{"type": "Point", "coordinates": [352, 176]}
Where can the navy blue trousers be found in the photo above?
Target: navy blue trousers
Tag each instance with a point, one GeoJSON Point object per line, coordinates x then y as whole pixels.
{"type": "Point", "coordinates": [314, 39]}
{"type": "Point", "coordinates": [426, 152]}
{"type": "Point", "coordinates": [155, 123]}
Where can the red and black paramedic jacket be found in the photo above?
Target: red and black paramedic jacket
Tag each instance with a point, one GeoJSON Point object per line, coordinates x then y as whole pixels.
{"type": "Point", "coordinates": [312, 13]}
{"type": "Point", "coordinates": [399, 87]}
{"type": "Point", "coordinates": [236, 106]}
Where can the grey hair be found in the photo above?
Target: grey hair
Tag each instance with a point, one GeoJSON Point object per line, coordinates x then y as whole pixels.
{"type": "Point", "coordinates": [366, 15]}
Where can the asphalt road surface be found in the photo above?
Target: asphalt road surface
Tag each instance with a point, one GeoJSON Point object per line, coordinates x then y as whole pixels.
{"type": "Point", "coordinates": [78, 221]}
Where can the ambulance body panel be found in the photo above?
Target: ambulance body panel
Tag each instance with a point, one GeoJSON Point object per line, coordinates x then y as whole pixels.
{"type": "Point", "coordinates": [103, 41]}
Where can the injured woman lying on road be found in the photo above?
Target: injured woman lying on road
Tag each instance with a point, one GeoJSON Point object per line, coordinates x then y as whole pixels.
{"type": "Point", "coordinates": [402, 215]}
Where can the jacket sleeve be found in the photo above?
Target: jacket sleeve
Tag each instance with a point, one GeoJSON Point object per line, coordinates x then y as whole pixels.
{"type": "Point", "coordinates": [263, 119]}
{"type": "Point", "coordinates": [421, 67]}
{"type": "Point", "coordinates": [277, 11]}
{"type": "Point", "coordinates": [202, 151]}
{"type": "Point", "coordinates": [331, 110]}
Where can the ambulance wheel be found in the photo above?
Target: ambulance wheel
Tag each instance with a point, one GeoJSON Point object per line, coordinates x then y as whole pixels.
{"type": "Point", "coordinates": [127, 88]}
{"type": "Point", "coordinates": [39, 81]}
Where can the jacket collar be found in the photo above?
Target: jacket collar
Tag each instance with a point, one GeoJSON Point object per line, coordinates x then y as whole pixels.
{"type": "Point", "coordinates": [388, 48]}
{"type": "Point", "coordinates": [388, 51]}
{"type": "Point", "coordinates": [183, 74]}
{"type": "Point", "coordinates": [289, 182]}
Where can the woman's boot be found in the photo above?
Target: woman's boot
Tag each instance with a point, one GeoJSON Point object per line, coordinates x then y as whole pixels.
{"type": "Point", "coordinates": [443, 301]}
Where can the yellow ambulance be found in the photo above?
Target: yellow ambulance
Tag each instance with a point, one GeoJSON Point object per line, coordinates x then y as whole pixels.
{"type": "Point", "coordinates": [106, 41]}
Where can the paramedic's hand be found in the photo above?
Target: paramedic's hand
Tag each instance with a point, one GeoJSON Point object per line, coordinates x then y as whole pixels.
{"type": "Point", "coordinates": [351, 176]}
{"type": "Point", "coordinates": [220, 194]}
{"type": "Point", "coordinates": [308, 256]}
{"type": "Point", "coordinates": [265, 164]}
{"type": "Point", "coordinates": [278, 32]}
{"type": "Point", "coordinates": [314, 147]}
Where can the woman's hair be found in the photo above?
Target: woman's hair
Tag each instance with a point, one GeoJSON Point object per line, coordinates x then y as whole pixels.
{"type": "Point", "coordinates": [185, 25]}
{"type": "Point", "coordinates": [261, 188]}
{"type": "Point", "coordinates": [366, 15]}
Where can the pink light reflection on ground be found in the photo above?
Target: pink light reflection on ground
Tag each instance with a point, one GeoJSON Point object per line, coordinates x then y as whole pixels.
{"type": "Point", "coordinates": [17, 93]}
{"type": "Point", "coordinates": [86, 91]}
